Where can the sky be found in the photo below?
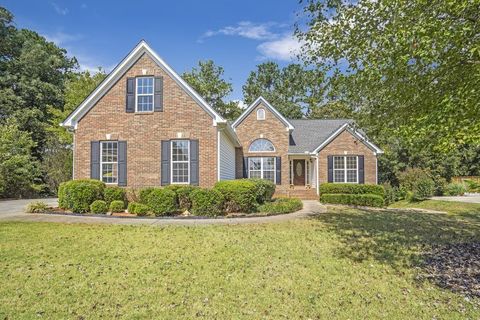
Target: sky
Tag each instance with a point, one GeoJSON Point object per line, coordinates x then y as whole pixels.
{"type": "Point", "coordinates": [237, 35]}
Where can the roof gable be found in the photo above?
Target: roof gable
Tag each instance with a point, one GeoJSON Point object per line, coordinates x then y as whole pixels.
{"type": "Point", "coordinates": [141, 48]}
{"type": "Point", "coordinates": [262, 100]}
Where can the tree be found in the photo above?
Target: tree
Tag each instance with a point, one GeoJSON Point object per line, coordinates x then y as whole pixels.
{"type": "Point", "coordinates": [293, 90]}
{"type": "Point", "coordinates": [208, 81]}
{"type": "Point", "coordinates": [331, 110]}
{"type": "Point", "coordinates": [412, 67]}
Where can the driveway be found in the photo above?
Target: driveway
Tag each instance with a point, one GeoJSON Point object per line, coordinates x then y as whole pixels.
{"type": "Point", "coordinates": [13, 210]}
{"type": "Point", "coordinates": [470, 199]}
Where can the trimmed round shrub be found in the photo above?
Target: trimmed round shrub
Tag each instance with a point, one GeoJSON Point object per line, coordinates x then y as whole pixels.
{"type": "Point", "coordinates": [367, 200]}
{"type": "Point", "coordinates": [207, 202]}
{"type": "Point", "coordinates": [36, 207]}
{"type": "Point", "coordinates": [114, 193]}
{"type": "Point", "coordinates": [351, 188]}
{"type": "Point", "coordinates": [281, 205]}
{"type": "Point", "coordinates": [239, 195]}
{"type": "Point", "coordinates": [183, 195]}
{"type": "Point", "coordinates": [117, 206]}
{"type": "Point", "coordinates": [162, 201]}
{"type": "Point", "coordinates": [455, 189]}
{"type": "Point", "coordinates": [98, 206]}
{"type": "Point", "coordinates": [77, 195]}
{"type": "Point", "coordinates": [139, 209]}
{"type": "Point", "coordinates": [264, 190]}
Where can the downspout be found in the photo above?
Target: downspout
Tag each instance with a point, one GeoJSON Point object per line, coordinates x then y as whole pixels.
{"type": "Point", "coordinates": [316, 175]}
{"type": "Point", "coordinates": [218, 153]}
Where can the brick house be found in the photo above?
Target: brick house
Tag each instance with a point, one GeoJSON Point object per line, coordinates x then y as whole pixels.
{"type": "Point", "coordinates": [145, 126]}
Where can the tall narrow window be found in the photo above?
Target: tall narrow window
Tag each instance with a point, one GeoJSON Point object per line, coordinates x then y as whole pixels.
{"type": "Point", "coordinates": [109, 161]}
{"type": "Point", "coordinates": [180, 161]}
{"type": "Point", "coordinates": [262, 167]}
{"type": "Point", "coordinates": [261, 114]}
{"type": "Point", "coordinates": [144, 94]}
{"type": "Point", "coordinates": [345, 169]}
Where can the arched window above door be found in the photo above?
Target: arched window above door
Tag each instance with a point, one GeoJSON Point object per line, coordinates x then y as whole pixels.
{"type": "Point", "coordinates": [261, 145]}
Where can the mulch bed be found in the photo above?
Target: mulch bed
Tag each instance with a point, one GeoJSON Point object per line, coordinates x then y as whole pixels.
{"type": "Point", "coordinates": [455, 267]}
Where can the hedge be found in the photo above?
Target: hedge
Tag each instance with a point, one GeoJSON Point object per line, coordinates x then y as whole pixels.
{"type": "Point", "coordinates": [351, 188]}
{"type": "Point", "coordinates": [139, 209]}
{"type": "Point", "coordinates": [114, 193]}
{"type": "Point", "coordinates": [161, 201]}
{"type": "Point", "coordinates": [98, 206]}
{"type": "Point", "coordinates": [282, 205]}
{"type": "Point", "coordinates": [77, 195]}
{"type": "Point", "coordinates": [368, 200]}
{"type": "Point", "coordinates": [183, 195]}
{"type": "Point", "coordinates": [116, 206]}
{"type": "Point", "coordinates": [207, 202]}
{"type": "Point", "coordinates": [240, 195]}
{"type": "Point", "coordinates": [264, 190]}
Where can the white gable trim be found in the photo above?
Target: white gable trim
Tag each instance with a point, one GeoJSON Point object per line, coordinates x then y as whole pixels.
{"type": "Point", "coordinates": [119, 71]}
{"type": "Point", "coordinates": [269, 106]}
{"type": "Point", "coordinates": [347, 127]}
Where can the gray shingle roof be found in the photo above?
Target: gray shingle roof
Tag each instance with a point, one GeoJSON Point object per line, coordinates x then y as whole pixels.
{"type": "Point", "coordinates": [309, 134]}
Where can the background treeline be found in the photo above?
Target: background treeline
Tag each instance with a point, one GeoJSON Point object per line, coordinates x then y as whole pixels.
{"type": "Point", "coordinates": [407, 72]}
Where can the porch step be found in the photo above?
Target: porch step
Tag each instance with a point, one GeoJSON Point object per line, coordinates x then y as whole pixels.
{"type": "Point", "coordinates": [301, 193]}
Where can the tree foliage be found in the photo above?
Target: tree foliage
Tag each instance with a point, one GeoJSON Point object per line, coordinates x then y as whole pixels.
{"type": "Point", "coordinates": [208, 81]}
{"type": "Point", "coordinates": [293, 90]}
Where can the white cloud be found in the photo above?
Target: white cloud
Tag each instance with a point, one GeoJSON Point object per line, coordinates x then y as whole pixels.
{"type": "Point", "coordinates": [61, 11]}
{"type": "Point", "coordinates": [285, 48]}
{"type": "Point", "coordinates": [241, 104]}
{"type": "Point", "coordinates": [245, 29]}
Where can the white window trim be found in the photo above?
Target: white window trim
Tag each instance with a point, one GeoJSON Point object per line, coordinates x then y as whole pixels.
{"type": "Point", "coordinates": [344, 169]}
{"type": "Point", "coordinates": [265, 151]}
{"type": "Point", "coordinates": [261, 168]}
{"type": "Point", "coordinates": [258, 114]}
{"type": "Point", "coordinates": [182, 161]}
{"type": "Point", "coordinates": [144, 94]}
{"type": "Point", "coordinates": [102, 162]}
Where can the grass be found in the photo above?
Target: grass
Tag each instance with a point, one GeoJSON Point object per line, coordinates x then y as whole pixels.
{"type": "Point", "coordinates": [345, 264]}
{"type": "Point", "coordinates": [459, 208]}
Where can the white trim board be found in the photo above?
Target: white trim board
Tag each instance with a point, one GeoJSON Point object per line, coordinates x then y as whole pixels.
{"type": "Point", "coordinates": [267, 105]}
{"type": "Point", "coordinates": [141, 48]}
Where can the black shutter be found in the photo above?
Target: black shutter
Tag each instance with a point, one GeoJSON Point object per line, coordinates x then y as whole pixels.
{"type": "Point", "coordinates": [122, 163]}
{"type": "Point", "coordinates": [361, 169]}
{"type": "Point", "coordinates": [194, 168]}
{"type": "Point", "coordinates": [158, 99]}
{"type": "Point", "coordinates": [245, 167]}
{"type": "Point", "coordinates": [165, 164]}
{"type": "Point", "coordinates": [330, 168]}
{"type": "Point", "coordinates": [95, 160]}
{"type": "Point", "coordinates": [278, 174]}
{"type": "Point", "coordinates": [130, 99]}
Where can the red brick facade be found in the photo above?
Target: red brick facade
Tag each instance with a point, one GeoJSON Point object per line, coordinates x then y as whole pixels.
{"type": "Point", "coordinates": [145, 131]}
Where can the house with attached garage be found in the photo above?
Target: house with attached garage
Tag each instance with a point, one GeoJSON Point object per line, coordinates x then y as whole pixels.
{"type": "Point", "coordinates": [145, 126]}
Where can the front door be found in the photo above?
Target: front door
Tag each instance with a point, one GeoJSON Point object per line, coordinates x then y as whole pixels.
{"type": "Point", "coordinates": [299, 172]}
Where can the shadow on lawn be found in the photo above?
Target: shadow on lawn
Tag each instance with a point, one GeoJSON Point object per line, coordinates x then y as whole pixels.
{"type": "Point", "coordinates": [395, 237]}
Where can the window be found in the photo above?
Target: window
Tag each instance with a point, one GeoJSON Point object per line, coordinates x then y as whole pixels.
{"type": "Point", "coordinates": [180, 161]}
{"type": "Point", "coordinates": [261, 145]}
{"type": "Point", "coordinates": [261, 114]}
{"type": "Point", "coordinates": [345, 169]}
{"type": "Point", "coordinates": [144, 94]}
{"type": "Point", "coordinates": [109, 161]}
{"type": "Point", "coordinates": [262, 167]}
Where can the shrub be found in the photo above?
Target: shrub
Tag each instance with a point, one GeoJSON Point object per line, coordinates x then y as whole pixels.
{"type": "Point", "coordinates": [117, 206]}
{"type": "Point", "coordinates": [390, 194]}
{"type": "Point", "coordinates": [161, 201]}
{"type": "Point", "coordinates": [207, 202]}
{"type": "Point", "coordinates": [455, 189]}
{"type": "Point", "coordinates": [239, 195]}
{"type": "Point", "coordinates": [264, 190]}
{"type": "Point", "coordinates": [472, 186]}
{"type": "Point", "coordinates": [139, 209]}
{"type": "Point", "coordinates": [36, 207]}
{"type": "Point", "coordinates": [423, 189]}
{"type": "Point", "coordinates": [408, 178]}
{"type": "Point", "coordinates": [282, 205]}
{"type": "Point", "coordinates": [77, 195]}
{"type": "Point", "coordinates": [114, 194]}
{"type": "Point", "coordinates": [351, 188]}
{"type": "Point", "coordinates": [98, 206]}
{"type": "Point", "coordinates": [144, 193]}
{"type": "Point", "coordinates": [369, 200]}
{"type": "Point", "coordinates": [183, 195]}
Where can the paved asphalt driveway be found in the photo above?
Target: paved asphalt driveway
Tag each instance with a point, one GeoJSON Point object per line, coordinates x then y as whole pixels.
{"type": "Point", "coordinates": [470, 199]}
{"type": "Point", "coordinates": [14, 210]}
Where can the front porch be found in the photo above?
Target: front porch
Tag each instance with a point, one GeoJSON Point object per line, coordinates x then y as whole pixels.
{"type": "Point", "coordinates": [302, 178]}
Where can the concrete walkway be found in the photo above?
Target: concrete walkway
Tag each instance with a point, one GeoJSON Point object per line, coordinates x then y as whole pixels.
{"type": "Point", "coordinates": [13, 210]}
{"type": "Point", "coordinates": [469, 198]}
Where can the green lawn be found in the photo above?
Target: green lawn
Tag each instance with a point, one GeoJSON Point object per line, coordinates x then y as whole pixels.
{"type": "Point", "coordinates": [345, 264]}
{"type": "Point", "coordinates": [459, 208]}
